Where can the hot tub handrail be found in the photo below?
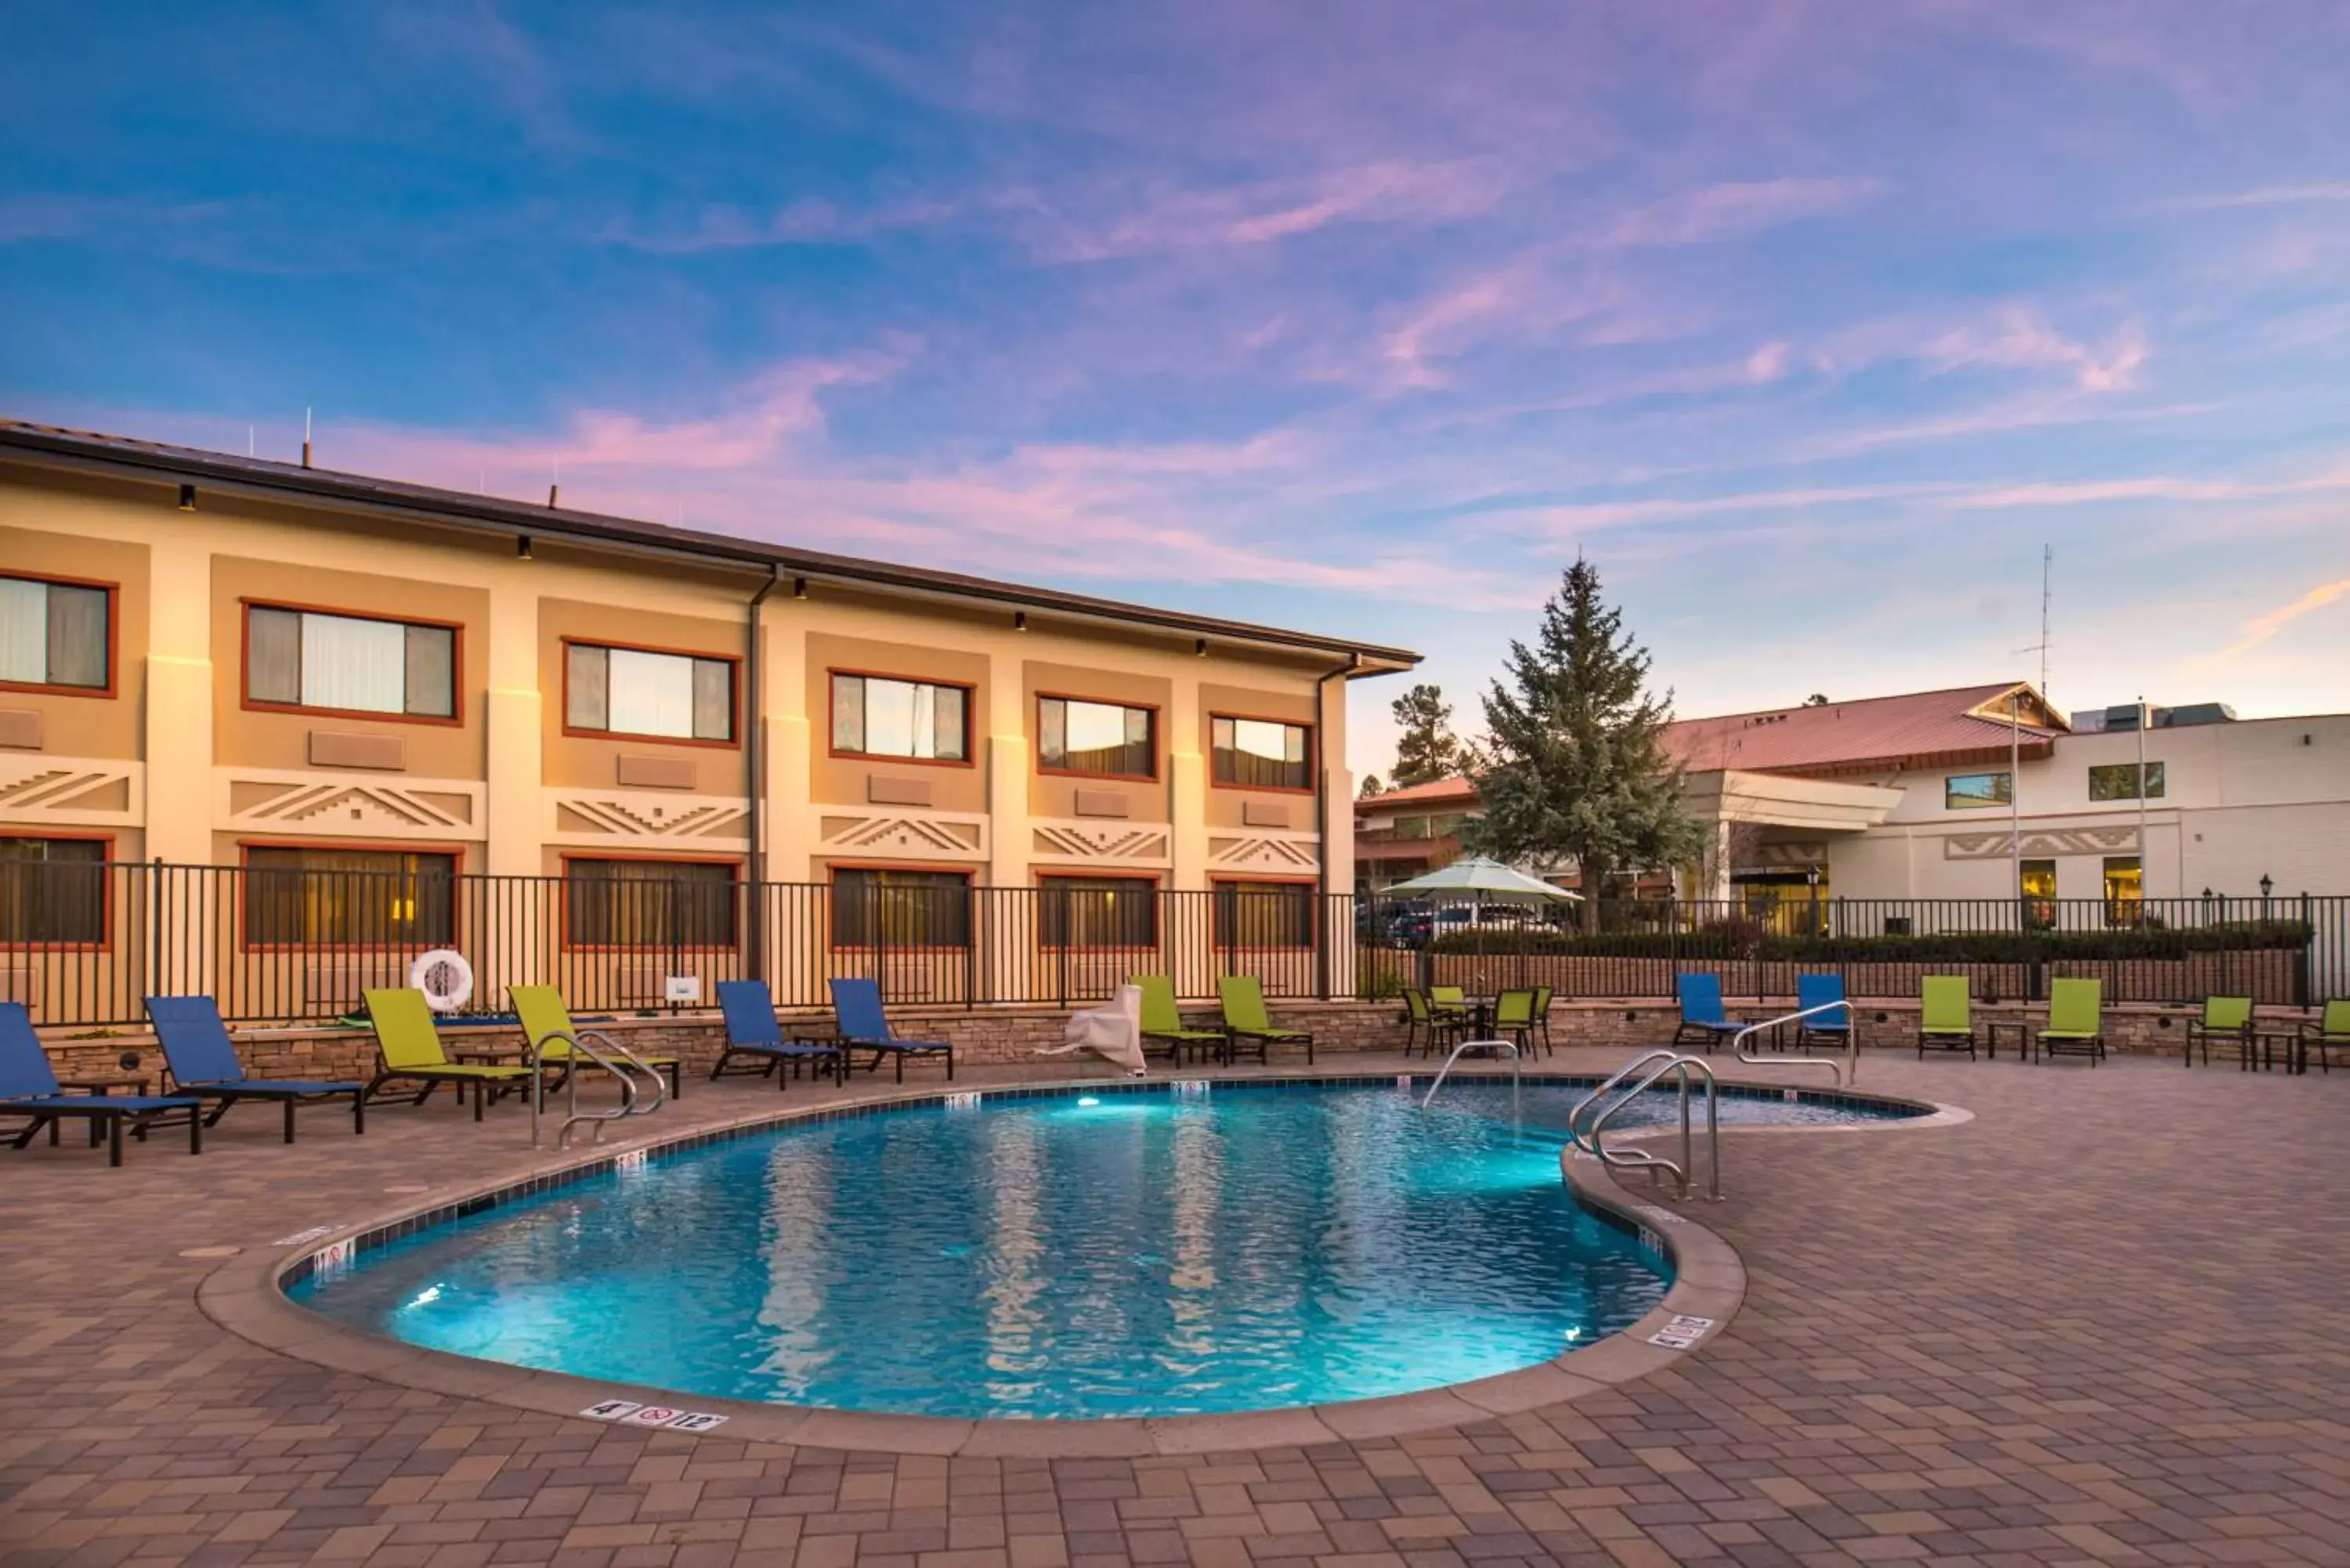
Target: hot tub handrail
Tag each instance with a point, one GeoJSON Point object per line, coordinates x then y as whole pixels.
{"type": "Point", "coordinates": [1638, 1159]}
{"type": "Point", "coordinates": [1844, 1077]}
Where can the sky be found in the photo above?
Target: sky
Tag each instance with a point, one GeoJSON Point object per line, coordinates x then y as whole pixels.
{"type": "Point", "coordinates": [1810, 324]}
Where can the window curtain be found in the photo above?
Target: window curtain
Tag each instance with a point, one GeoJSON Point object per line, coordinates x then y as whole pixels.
{"type": "Point", "coordinates": [848, 713]}
{"type": "Point", "coordinates": [650, 693]}
{"type": "Point", "coordinates": [24, 631]}
{"type": "Point", "coordinates": [359, 665]}
{"type": "Point", "coordinates": [431, 671]}
{"type": "Point", "coordinates": [713, 699]}
{"type": "Point", "coordinates": [272, 656]}
{"type": "Point", "coordinates": [78, 636]}
{"type": "Point", "coordinates": [587, 703]}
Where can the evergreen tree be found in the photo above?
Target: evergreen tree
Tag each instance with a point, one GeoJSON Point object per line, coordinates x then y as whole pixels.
{"type": "Point", "coordinates": [1372, 786]}
{"type": "Point", "coordinates": [1576, 768]}
{"type": "Point", "coordinates": [1427, 751]}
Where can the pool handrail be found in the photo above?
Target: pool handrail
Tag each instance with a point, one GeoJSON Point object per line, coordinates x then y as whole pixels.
{"type": "Point", "coordinates": [1574, 1116]}
{"type": "Point", "coordinates": [1509, 1045]}
{"type": "Point", "coordinates": [1845, 1076]}
{"type": "Point", "coordinates": [625, 1075]}
{"type": "Point", "coordinates": [1640, 1159]}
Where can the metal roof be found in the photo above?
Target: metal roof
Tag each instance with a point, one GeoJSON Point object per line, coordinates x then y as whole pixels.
{"type": "Point", "coordinates": [91, 451]}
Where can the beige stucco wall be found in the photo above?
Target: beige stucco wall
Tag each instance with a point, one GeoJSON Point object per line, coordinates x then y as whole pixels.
{"type": "Point", "coordinates": [591, 761]}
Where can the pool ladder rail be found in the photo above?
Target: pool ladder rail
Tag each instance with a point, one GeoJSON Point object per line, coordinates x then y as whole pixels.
{"type": "Point", "coordinates": [1443, 1072]}
{"type": "Point", "coordinates": [622, 1063]}
{"type": "Point", "coordinates": [1844, 1077]}
{"type": "Point", "coordinates": [1652, 1067]}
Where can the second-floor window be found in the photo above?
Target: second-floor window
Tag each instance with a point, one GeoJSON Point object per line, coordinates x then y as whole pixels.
{"type": "Point", "coordinates": [1262, 753]}
{"type": "Point", "coordinates": [349, 664]}
{"type": "Point", "coordinates": [658, 696]}
{"type": "Point", "coordinates": [55, 634]}
{"type": "Point", "coordinates": [2119, 780]}
{"type": "Point", "coordinates": [1965, 791]}
{"type": "Point", "coordinates": [1106, 738]}
{"type": "Point", "coordinates": [875, 716]}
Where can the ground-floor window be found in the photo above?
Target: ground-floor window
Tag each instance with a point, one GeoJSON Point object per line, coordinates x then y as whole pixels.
{"type": "Point", "coordinates": [309, 896]}
{"type": "Point", "coordinates": [649, 904]}
{"type": "Point", "coordinates": [2125, 889]}
{"type": "Point", "coordinates": [52, 891]}
{"type": "Point", "coordinates": [900, 908]}
{"type": "Point", "coordinates": [1265, 914]}
{"type": "Point", "coordinates": [1099, 912]}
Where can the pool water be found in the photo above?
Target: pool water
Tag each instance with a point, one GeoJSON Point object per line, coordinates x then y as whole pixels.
{"type": "Point", "coordinates": [1119, 1254]}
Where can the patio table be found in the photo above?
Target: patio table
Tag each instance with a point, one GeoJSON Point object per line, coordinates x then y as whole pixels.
{"type": "Point", "coordinates": [2022, 1030]}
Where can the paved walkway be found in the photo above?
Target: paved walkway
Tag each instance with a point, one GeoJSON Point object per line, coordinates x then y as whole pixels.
{"type": "Point", "coordinates": [2106, 1322]}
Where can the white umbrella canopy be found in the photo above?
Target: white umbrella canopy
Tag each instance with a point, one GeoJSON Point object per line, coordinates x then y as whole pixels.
{"type": "Point", "coordinates": [1483, 880]}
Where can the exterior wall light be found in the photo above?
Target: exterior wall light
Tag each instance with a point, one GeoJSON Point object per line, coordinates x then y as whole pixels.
{"type": "Point", "coordinates": [187, 498]}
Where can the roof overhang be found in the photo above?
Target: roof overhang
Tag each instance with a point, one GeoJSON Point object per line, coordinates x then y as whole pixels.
{"type": "Point", "coordinates": [1780, 800]}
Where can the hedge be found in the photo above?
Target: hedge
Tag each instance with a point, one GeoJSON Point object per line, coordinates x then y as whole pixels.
{"type": "Point", "coordinates": [1736, 941]}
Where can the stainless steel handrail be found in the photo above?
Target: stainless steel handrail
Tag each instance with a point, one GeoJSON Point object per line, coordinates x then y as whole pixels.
{"type": "Point", "coordinates": [1574, 1116]}
{"type": "Point", "coordinates": [573, 1116]}
{"type": "Point", "coordinates": [1640, 1159]}
{"type": "Point", "coordinates": [1509, 1045]}
{"type": "Point", "coordinates": [1851, 1070]}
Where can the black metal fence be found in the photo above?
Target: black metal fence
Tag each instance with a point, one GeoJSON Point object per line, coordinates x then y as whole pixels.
{"type": "Point", "coordinates": [82, 942]}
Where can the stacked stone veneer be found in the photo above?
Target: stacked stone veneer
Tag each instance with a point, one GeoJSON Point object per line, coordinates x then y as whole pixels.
{"type": "Point", "coordinates": [1014, 1034]}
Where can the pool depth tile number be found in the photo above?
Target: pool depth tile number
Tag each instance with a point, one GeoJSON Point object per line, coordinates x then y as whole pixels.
{"type": "Point", "coordinates": [630, 1413]}
{"type": "Point", "coordinates": [1681, 1333]}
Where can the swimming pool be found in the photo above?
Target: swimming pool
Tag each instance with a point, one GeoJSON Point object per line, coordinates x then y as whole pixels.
{"type": "Point", "coordinates": [1113, 1254]}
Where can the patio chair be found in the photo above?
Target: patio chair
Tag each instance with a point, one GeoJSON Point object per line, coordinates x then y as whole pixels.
{"type": "Point", "coordinates": [203, 1063]}
{"type": "Point", "coordinates": [753, 1034]}
{"type": "Point", "coordinates": [1162, 1023]}
{"type": "Point", "coordinates": [1424, 1026]}
{"type": "Point", "coordinates": [1946, 1018]}
{"type": "Point", "coordinates": [1449, 1001]}
{"type": "Point", "coordinates": [1513, 1018]}
{"type": "Point", "coordinates": [857, 1013]}
{"type": "Point", "coordinates": [2329, 1034]}
{"type": "Point", "coordinates": [29, 1087]}
{"type": "Point", "coordinates": [1245, 1019]}
{"type": "Point", "coordinates": [1702, 1020]}
{"type": "Point", "coordinates": [2075, 1026]}
{"type": "Point", "coordinates": [408, 1049]}
{"type": "Point", "coordinates": [1832, 1029]}
{"type": "Point", "coordinates": [1544, 994]}
{"type": "Point", "coordinates": [543, 1015]}
{"type": "Point", "coordinates": [2229, 1021]}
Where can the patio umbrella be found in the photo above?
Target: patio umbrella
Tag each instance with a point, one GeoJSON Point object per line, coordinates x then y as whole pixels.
{"type": "Point", "coordinates": [1482, 880]}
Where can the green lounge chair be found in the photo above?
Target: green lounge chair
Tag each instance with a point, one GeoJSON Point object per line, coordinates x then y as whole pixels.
{"type": "Point", "coordinates": [1423, 1025]}
{"type": "Point", "coordinates": [2226, 1018]}
{"type": "Point", "coordinates": [407, 1048]}
{"type": "Point", "coordinates": [1542, 995]}
{"type": "Point", "coordinates": [1162, 1023]}
{"type": "Point", "coordinates": [2330, 1033]}
{"type": "Point", "coordinates": [1946, 1018]}
{"type": "Point", "coordinates": [1242, 996]}
{"type": "Point", "coordinates": [543, 1014]}
{"type": "Point", "coordinates": [2075, 1026]}
{"type": "Point", "coordinates": [1513, 1018]}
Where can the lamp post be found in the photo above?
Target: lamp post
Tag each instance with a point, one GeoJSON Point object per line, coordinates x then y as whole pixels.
{"type": "Point", "coordinates": [2267, 884]}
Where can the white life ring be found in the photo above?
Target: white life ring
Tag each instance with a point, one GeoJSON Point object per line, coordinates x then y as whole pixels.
{"type": "Point", "coordinates": [444, 977]}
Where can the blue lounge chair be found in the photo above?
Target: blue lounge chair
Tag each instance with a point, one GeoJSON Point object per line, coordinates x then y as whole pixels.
{"type": "Point", "coordinates": [203, 1063]}
{"type": "Point", "coordinates": [29, 1087]}
{"type": "Point", "coordinates": [1702, 1020]}
{"type": "Point", "coordinates": [1827, 1028]}
{"type": "Point", "coordinates": [752, 1032]}
{"type": "Point", "coordinates": [857, 1013]}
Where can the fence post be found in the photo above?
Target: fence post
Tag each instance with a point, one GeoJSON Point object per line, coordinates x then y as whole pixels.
{"type": "Point", "coordinates": [154, 933]}
{"type": "Point", "coordinates": [2301, 967]}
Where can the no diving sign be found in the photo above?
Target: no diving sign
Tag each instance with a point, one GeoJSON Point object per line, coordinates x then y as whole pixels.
{"type": "Point", "coordinates": [1682, 1333]}
{"type": "Point", "coordinates": [628, 1413]}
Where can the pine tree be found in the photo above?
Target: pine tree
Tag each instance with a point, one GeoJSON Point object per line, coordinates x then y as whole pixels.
{"type": "Point", "coordinates": [1575, 767]}
{"type": "Point", "coordinates": [1370, 788]}
{"type": "Point", "coordinates": [1427, 750]}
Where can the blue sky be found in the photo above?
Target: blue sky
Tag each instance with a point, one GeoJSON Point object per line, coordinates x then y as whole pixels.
{"type": "Point", "coordinates": [1809, 323]}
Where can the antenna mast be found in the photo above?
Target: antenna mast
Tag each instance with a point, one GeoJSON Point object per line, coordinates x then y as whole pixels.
{"type": "Point", "coordinates": [2047, 574]}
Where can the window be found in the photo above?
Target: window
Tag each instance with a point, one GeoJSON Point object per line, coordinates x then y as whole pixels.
{"type": "Point", "coordinates": [349, 898]}
{"type": "Point", "coordinates": [2039, 879]}
{"type": "Point", "coordinates": [901, 908]}
{"type": "Point", "coordinates": [1262, 754]}
{"type": "Point", "coordinates": [2125, 889]}
{"type": "Point", "coordinates": [55, 634]}
{"type": "Point", "coordinates": [2119, 780]}
{"type": "Point", "coordinates": [648, 904]}
{"type": "Point", "coordinates": [873, 716]}
{"type": "Point", "coordinates": [52, 891]}
{"type": "Point", "coordinates": [1079, 737]}
{"type": "Point", "coordinates": [1965, 791]}
{"type": "Point", "coordinates": [1099, 912]}
{"type": "Point", "coordinates": [349, 664]}
{"type": "Point", "coordinates": [658, 696]}
{"type": "Point", "coordinates": [1265, 915]}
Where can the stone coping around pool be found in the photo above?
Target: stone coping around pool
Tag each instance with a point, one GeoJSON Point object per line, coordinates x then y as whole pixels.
{"type": "Point", "coordinates": [247, 1298]}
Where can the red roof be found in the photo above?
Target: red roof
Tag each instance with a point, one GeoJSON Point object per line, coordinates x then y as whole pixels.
{"type": "Point", "coordinates": [1419, 795]}
{"type": "Point", "coordinates": [1917, 729]}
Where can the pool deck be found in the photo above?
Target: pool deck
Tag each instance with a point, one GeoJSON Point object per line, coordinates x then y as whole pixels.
{"type": "Point", "coordinates": [2103, 1321]}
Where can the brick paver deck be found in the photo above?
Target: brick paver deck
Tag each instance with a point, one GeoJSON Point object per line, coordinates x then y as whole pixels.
{"type": "Point", "coordinates": [2106, 1322]}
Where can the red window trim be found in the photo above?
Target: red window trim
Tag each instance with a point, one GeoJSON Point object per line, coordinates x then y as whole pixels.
{"type": "Point", "coordinates": [734, 661]}
{"type": "Point", "coordinates": [969, 724]}
{"type": "Point", "coordinates": [245, 700]}
{"type": "Point", "coordinates": [106, 891]}
{"type": "Point", "coordinates": [1152, 709]}
{"type": "Point", "coordinates": [1313, 750]}
{"type": "Point", "coordinates": [113, 686]}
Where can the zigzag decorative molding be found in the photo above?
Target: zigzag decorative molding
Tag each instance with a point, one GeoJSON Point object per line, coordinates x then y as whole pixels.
{"type": "Point", "coordinates": [1265, 852]}
{"type": "Point", "coordinates": [1131, 844]}
{"type": "Point", "coordinates": [71, 792]}
{"type": "Point", "coordinates": [348, 806]}
{"type": "Point", "coordinates": [2044, 844]}
{"type": "Point", "coordinates": [903, 835]}
{"type": "Point", "coordinates": [646, 819]}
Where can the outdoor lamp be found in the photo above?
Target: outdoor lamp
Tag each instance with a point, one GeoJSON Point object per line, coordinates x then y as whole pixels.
{"type": "Point", "coordinates": [2267, 882]}
{"type": "Point", "coordinates": [187, 498]}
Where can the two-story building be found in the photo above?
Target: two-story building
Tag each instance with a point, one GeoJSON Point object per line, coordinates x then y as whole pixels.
{"type": "Point", "coordinates": [211, 660]}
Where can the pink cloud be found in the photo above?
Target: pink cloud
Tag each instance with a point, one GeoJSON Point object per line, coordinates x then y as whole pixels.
{"type": "Point", "coordinates": [1732, 211]}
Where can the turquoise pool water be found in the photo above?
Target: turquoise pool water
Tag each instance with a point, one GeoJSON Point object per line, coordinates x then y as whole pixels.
{"type": "Point", "coordinates": [1121, 1254]}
